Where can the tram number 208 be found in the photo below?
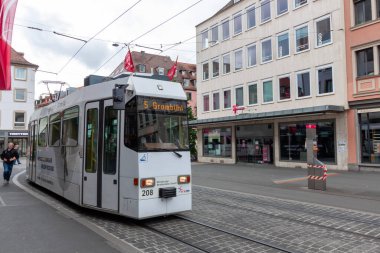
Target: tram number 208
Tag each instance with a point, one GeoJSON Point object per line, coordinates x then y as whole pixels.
{"type": "Point", "coordinates": [147, 193]}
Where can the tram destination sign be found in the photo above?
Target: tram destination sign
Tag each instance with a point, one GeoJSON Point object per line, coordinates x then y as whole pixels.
{"type": "Point", "coordinates": [162, 105]}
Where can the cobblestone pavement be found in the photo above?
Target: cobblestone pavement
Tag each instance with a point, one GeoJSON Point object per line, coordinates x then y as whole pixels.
{"type": "Point", "coordinates": [289, 225]}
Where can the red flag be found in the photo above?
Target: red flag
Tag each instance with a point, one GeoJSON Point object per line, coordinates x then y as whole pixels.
{"type": "Point", "coordinates": [128, 62]}
{"type": "Point", "coordinates": [172, 70]}
{"type": "Point", "coordinates": [7, 15]}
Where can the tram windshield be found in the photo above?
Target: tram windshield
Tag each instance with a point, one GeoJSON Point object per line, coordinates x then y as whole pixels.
{"type": "Point", "coordinates": [156, 124]}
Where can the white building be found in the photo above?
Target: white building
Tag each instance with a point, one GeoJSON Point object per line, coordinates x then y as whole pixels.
{"type": "Point", "coordinates": [17, 105]}
{"type": "Point", "coordinates": [284, 62]}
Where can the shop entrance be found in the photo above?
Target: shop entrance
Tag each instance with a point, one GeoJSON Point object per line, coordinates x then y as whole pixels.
{"type": "Point", "coordinates": [254, 143]}
{"type": "Point", "coordinates": [22, 142]}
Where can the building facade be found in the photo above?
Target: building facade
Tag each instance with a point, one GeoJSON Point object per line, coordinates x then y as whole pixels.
{"type": "Point", "coordinates": [157, 66]}
{"type": "Point", "coordinates": [282, 62]}
{"type": "Point", "coordinates": [362, 19]}
{"type": "Point", "coordinates": [17, 105]}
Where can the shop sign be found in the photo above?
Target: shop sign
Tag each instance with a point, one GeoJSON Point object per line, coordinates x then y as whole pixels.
{"type": "Point", "coordinates": [18, 134]}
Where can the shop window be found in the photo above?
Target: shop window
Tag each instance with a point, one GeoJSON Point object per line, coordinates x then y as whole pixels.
{"type": "Point", "coordinates": [205, 70]}
{"type": "Point", "coordinates": [217, 142]}
{"type": "Point", "coordinates": [226, 64]}
{"type": "Point", "coordinates": [19, 120]}
{"type": "Point", "coordinates": [215, 101]}
{"type": "Point", "coordinates": [20, 73]}
{"type": "Point", "coordinates": [215, 67]}
{"type": "Point", "coordinates": [298, 3]}
{"type": "Point", "coordinates": [251, 17]}
{"type": "Point", "coordinates": [226, 29]}
{"type": "Point", "coordinates": [267, 91]}
{"type": "Point", "coordinates": [20, 95]}
{"type": "Point", "coordinates": [266, 50]}
{"type": "Point", "coordinates": [214, 35]}
{"type": "Point", "coordinates": [70, 127]}
{"type": "Point", "coordinates": [284, 88]}
{"type": "Point", "coordinates": [283, 45]}
{"type": "Point", "coordinates": [54, 130]}
{"type": "Point", "coordinates": [204, 37]}
{"type": "Point", "coordinates": [363, 11]}
{"type": "Point", "coordinates": [282, 7]}
{"type": "Point", "coordinates": [239, 96]}
{"type": "Point", "coordinates": [227, 99]}
{"type": "Point", "coordinates": [293, 141]}
{"type": "Point", "coordinates": [252, 93]}
{"type": "Point", "coordinates": [251, 53]}
{"type": "Point", "coordinates": [206, 103]}
{"type": "Point", "coordinates": [323, 35]}
{"type": "Point", "coordinates": [325, 80]}
{"type": "Point", "coordinates": [303, 84]}
{"type": "Point", "coordinates": [265, 10]}
{"type": "Point", "coordinates": [370, 137]}
{"type": "Point", "coordinates": [238, 25]}
{"type": "Point", "coordinates": [302, 39]}
{"type": "Point", "coordinates": [365, 62]}
{"type": "Point", "coordinates": [238, 60]}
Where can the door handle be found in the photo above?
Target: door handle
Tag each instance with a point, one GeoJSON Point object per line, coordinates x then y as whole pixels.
{"type": "Point", "coordinates": [114, 181]}
{"type": "Point", "coordinates": [85, 178]}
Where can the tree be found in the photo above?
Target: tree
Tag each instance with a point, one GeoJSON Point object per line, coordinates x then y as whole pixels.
{"type": "Point", "coordinates": [192, 134]}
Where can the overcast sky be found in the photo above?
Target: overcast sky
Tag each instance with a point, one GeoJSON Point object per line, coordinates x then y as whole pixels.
{"type": "Point", "coordinates": [84, 18]}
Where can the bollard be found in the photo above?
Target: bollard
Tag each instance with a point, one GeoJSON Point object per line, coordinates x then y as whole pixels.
{"type": "Point", "coordinates": [310, 176]}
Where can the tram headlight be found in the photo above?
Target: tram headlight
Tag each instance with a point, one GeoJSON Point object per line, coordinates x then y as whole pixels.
{"type": "Point", "coordinates": [147, 182]}
{"type": "Point", "coordinates": [183, 179]}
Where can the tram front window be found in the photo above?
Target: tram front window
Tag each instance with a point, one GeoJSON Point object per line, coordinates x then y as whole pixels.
{"type": "Point", "coordinates": [161, 125]}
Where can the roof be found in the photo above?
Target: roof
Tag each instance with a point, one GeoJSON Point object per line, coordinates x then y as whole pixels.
{"type": "Point", "coordinates": [226, 7]}
{"type": "Point", "coordinates": [18, 58]}
{"type": "Point", "coordinates": [268, 115]}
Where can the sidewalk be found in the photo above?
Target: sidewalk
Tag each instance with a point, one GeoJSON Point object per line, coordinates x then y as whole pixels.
{"type": "Point", "coordinates": [30, 225]}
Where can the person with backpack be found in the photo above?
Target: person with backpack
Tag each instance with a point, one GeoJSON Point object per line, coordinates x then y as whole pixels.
{"type": "Point", "coordinates": [8, 156]}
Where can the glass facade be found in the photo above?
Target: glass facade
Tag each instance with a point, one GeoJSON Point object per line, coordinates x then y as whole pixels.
{"type": "Point", "coordinates": [370, 137]}
{"type": "Point", "coordinates": [293, 141]}
{"type": "Point", "coordinates": [217, 142]}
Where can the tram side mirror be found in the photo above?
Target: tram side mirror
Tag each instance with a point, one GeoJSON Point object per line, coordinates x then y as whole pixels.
{"type": "Point", "coordinates": [118, 96]}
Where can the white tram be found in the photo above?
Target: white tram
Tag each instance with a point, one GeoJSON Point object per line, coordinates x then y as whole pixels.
{"type": "Point", "coordinates": [134, 162]}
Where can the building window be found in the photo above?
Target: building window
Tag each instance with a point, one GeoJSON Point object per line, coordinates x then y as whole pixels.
{"type": "Point", "coordinates": [19, 120]}
{"type": "Point", "coordinates": [365, 62]}
{"type": "Point", "coordinates": [282, 7]}
{"type": "Point", "coordinates": [226, 64]}
{"type": "Point", "coordinates": [206, 103]}
{"type": "Point", "coordinates": [302, 39]}
{"type": "Point", "coordinates": [325, 80]}
{"type": "Point", "coordinates": [284, 87]}
{"type": "Point", "coordinates": [141, 68]}
{"type": "Point", "coordinates": [161, 71]}
{"type": "Point", "coordinates": [370, 137]}
{"type": "Point", "coordinates": [204, 39]}
{"type": "Point", "coordinates": [215, 67]}
{"type": "Point", "coordinates": [363, 11]}
{"type": "Point", "coordinates": [266, 50]}
{"type": "Point", "coordinates": [239, 96]}
{"type": "Point", "coordinates": [20, 73]}
{"type": "Point", "coordinates": [303, 84]}
{"type": "Point", "coordinates": [217, 142]}
{"type": "Point", "coordinates": [267, 91]}
{"type": "Point", "coordinates": [238, 26]}
{"type": "Point", "coordinates": [20, 95]}
{"type": "Point", "coordinates": [323, 35]}
{"type": "Point", "coordinates": [186, 82]}
{"type": "Point", "coordinates": [205, 71]}
{"type": "Point", "coordinates": [252, 93]}
{"type": "Point", "coordinates": [238, 60]}
{"type": "Point", "coordinates": [226, 29]}
{"type": "Point", "coordinates": [227, 99]}
{"type": "Point", "coordinates": [265, 11]}
{"type": "Point", "coordinates": [188, 95]}
{"type": "Point", "coordinates": [298, 3]}
{"type": "Point", "coordinates": [283, 45]}
{"type": "Point", "coordinates": [293, 140]}
{"type": "Point", "coordinates": [251, 53]}
{"type": "Point", "coordinates": [214, 35]}
{"type": "Point", "coordinates": [251, 17]}
{"type": "Point", "coordinates": [215, 101]}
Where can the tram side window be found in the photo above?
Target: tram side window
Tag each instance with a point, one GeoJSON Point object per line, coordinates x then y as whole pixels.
{"type": "Point", "coordinates": [92, 140]}
{"type": "Point", "coordinates": [130, 133]}
{"type": "Point", "coordinates": [70, 127]}
{"type": "Point", "coordinates": [110, 140]}
{"type": "Point", "coordinates": [54, 130]}
{"type": "Point", "coordinates": [42, 132]}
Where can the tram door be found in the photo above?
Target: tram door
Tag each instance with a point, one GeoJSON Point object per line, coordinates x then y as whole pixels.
{"type": "Point", "coordinates": [100, 175]}
{"type": "Point", "coordinates": [32, 151]}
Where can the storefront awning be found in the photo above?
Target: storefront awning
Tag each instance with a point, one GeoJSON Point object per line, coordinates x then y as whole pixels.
{"type": "Point", "coordinates": [270, 115]}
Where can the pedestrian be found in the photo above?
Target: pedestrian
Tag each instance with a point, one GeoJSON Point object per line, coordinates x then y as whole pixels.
{"type": "Point", "coordinates": [8, 156]}
{"type": "Point", "coordinates": [17, 161]}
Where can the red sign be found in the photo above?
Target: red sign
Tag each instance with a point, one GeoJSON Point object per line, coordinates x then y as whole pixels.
{"type": "Point", "coordinates": [311, 126]}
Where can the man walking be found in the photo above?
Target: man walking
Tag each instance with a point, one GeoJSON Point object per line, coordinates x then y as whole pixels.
{"type": "Point", "coordinates": [8, 156]}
